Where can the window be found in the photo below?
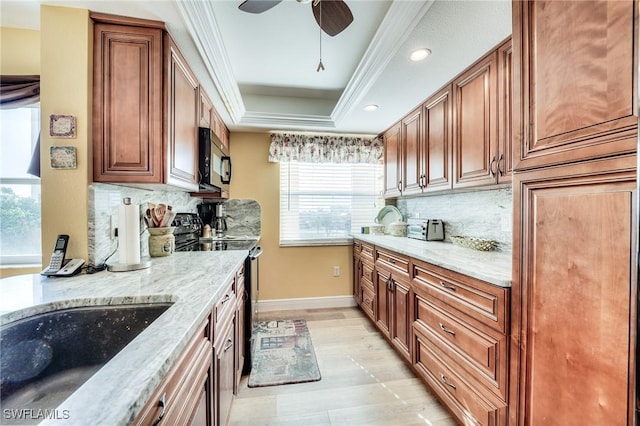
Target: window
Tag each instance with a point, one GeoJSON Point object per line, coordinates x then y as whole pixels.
{"type": "Point", "coordinates": [323, 203]}
{"type": "Point", "coordinates": [19, 191]}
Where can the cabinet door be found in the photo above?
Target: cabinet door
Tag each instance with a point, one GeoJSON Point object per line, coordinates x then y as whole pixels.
{"type": "Point", "coordinates": [225, 374]}
{"type": "Point", "coordinates": [475, 128]}
{"type": "Point", "coordinates": [437, 130]}
{"type": "Point", "coordinates": [205, 110]}
{"type": "Point", "coordinates": [574, 308]}
{"type": "Point", "coordinates": [412, 148]}
{"type": "Point", "coordinates": [392, 165]}
{"type": "Point", "coordinates": [383, 301]}
{"type": "Point", "coordinates": [183, 100]}
{"type": "Point", "coordinates": [504, 165]}
{"type": "Point", "coordinates": [578, 68]}
{"type": "Point", "coordinates": [402, 318]}
{"type": "Point", "coordinates": [127, 104]}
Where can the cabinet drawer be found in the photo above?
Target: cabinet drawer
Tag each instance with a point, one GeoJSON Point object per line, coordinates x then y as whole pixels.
{"type": "Point", "coordinates": [476, 299]}
{"type": "Point", "coordinates": [223, 310]}
{"type": "Point", "coordinates": [481, 353]}
{"type": "Point", "coordinates": [366, 252]}
{"type": "Point", "coordinates": [392, 261]}
{"type": "Point", "coordinates": [368, 299]}
{"type": "Point", "coordinates": [466, 402]}
{"type": "Point", "coordinates": [367, 272]}
{"type": "Point", "coordinates": [186, 370]}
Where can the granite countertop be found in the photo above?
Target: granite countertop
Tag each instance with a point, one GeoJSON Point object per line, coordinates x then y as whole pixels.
{"type": "Point", "coordinates": [193, 281]}
{"type": "Point", "coordinates": [493, 267]}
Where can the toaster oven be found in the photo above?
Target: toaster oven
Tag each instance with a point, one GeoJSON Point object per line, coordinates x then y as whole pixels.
{"type": "Point", "coordinates": [425, 229]}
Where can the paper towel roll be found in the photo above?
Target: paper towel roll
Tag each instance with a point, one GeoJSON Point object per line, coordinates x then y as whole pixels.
{"type": "Point", "coordinates": [129, 233]}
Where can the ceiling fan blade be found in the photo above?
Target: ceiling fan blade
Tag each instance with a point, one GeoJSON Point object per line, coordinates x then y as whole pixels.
{"type": "Point", "coordinates": [257, 6]}
{"type": "Point", "coordinates": [336, 15]}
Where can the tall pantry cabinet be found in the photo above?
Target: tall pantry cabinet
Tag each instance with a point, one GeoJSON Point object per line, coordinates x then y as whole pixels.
{"type": "Point", "coordinates": [574, 291]}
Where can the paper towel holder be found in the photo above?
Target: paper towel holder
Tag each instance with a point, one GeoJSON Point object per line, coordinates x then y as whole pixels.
{"type": "Point", "coordinates": [125, 267]}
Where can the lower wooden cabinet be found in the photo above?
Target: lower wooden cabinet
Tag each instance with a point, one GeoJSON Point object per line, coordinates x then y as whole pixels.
{"type": "Point", "coordinates": [200, 387]}
{"type": "Point", "coordinates": [451, 328]}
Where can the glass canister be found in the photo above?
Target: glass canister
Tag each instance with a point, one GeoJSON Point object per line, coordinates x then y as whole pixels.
{"type": "Point", "coordinates": [161, 241]}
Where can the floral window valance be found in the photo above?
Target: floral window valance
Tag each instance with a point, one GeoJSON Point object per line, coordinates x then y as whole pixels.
{"type": "Point", "coordinates": [325, 149]}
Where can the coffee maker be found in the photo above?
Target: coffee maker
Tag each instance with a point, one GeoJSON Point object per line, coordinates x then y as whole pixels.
{"type": "Point", "coordinates": [220, 224]}
{"type": "Point", "coordinates": [215, 215]}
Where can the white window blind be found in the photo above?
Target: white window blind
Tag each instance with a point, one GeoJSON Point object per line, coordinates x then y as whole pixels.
{"type": "Point", "coordinates": [323, 203]}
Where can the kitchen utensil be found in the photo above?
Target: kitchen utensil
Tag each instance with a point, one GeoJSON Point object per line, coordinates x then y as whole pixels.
{"type": "Point", "coordinates": [158, 213]}
{"type": "Point", "coordinates": [168, 217]}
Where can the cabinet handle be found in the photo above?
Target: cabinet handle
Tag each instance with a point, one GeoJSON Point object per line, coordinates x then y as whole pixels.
{"type": "Point", "coordinates": [400, 186]}
{"type": "Point", "coordinates": [446, 330]}
{"type": "Point", "coordinates": [392, 261]}
{"type": "Point", "coordinates": [225, 298]}
{"type": "Point", "coordinates": [501, 161]}
{"type": "Point", "coordinates": [493, 160]}
{"type": "Point", "coordinates": [228, 345]}
{"type": "Point", "coordinates": [367, 300]}
{"type": "Point", "coordinates": [162, 404]}
{"type": "Point", "coordinates": [447, 286]}
{"type": "Point", "coordinates": [446, 381]}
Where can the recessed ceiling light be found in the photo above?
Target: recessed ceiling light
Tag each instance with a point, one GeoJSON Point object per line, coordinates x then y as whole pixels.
{"type": "Point", "coordinates": [371, 107]}
{"type": "Point", "coordinates": [419, 54]}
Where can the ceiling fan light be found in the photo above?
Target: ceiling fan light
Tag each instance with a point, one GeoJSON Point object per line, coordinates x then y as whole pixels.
{"type": "Point", "coordinates": [419, 54]}
{"type": "Point", "coordinates": [371, 107]}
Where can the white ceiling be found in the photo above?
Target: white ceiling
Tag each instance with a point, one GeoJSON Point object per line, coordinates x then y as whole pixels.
{"type": "Point", "coordinates": [261, 69]}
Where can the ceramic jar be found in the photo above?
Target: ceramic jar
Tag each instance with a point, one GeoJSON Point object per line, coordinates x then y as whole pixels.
{"type": "Point", "coordinates": [161, 241]}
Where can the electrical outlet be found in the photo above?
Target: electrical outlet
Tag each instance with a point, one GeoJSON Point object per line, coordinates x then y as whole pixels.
{"type": "Point", "coordinates": [336, 271]}
{"type": "Point", "coordinates": [113, 226]}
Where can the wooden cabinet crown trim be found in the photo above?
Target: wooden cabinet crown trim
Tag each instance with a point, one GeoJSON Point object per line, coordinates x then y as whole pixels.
{"type": "Point", "coordinates": [107, 18]}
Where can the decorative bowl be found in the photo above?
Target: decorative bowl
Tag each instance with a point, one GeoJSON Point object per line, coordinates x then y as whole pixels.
{"type": "Point", "coordinates": [474, 243]}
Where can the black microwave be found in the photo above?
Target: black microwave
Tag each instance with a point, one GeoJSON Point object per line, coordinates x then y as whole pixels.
{"type": "Point", "coordinates": [214, 162]}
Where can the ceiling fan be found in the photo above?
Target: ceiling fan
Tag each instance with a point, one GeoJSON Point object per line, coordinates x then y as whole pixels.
{"type": "Point", "coordinates": [333, 16]}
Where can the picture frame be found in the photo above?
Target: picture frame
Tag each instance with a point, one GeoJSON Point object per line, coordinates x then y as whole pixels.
{"type": "Point", "coordinates": [62, 126]}
{"type": "Point", "coordinates": [63, 157]}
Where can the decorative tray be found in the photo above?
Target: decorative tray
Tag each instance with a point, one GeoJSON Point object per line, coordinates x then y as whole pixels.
{"type": "Point", "coordinates": [474, 243]}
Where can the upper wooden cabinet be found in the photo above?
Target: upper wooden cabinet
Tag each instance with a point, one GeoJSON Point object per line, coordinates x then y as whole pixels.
{"type": "Point", "coordinates": [127, 104]}
{"type": "Point", "coordinates": [459, 137]}
{"type": "Point", "coordinates": [181, 124]}
{"type": "Point", "coordinates": [147, 106]}
{"type": "Point", "coordinates": [392, 162]}
{"type": "Point", "coordinates": [475, 124]}
{"type": "Point", "coordinates": [576, 81]}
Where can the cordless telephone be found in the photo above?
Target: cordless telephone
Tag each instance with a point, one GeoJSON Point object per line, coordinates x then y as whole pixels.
{"type": "Point", "coordinates": [58, 266]}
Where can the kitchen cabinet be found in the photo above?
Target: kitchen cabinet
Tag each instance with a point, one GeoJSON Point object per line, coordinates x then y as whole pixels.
{"type": "Point", "coordinates": [364, 292]}
{"type": "Point", "coordinates": [184, 395]}
{"type": "Point", "coordinates": [145, 106]}
{"type": "Point", "coordinates": [436, 171]}
{"type": "Point", "coordinates": [183, 101]}
{"type": "Point", "coordinates": [392, 162]}
{"type": "Point", "coordinates": [503, 167]}
{"type": "Point", "coordinates": [576, 99]}
{"type": "Point", "coordinates": [412, 152]}
{"type": "Point", "coordinates": [475, 123]}
{"type": "Point", "coordinates": [210, 119]}
{"type": "Point", "coordinates": [205, 110]}
{"type": "Point", "coordinates": [393, 294]}
{"type": "Point", "coordinates": [575, 199]}
{"type": "Point", "coordinates": [240, 327]}
{"type": "Point", "coordinates": [451, 328]}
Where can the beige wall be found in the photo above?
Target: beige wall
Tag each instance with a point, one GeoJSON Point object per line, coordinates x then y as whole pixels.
{"type": "Point", "coordinates": [19, 55]}
{"type": "Point", "coordinates": [285, 272]}
{"type": "Point", "coordinates": [19, 51]}
{"type": "Point", "coordinates": [66, 88]}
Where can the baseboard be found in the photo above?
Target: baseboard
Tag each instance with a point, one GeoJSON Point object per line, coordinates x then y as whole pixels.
{"type": "Point", "coordinates": [306, 303]}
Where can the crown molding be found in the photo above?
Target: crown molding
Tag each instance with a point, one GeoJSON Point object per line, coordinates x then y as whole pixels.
{"type": "Point", "coordinates": [202, 26]}
{"type": "Point", "coordinates": [383, 47]}
{"type": "Point", "coordinates": [205, 32]}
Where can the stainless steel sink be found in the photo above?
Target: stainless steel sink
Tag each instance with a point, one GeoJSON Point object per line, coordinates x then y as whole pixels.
{"type": "Point", "coordinates": [45, 358]}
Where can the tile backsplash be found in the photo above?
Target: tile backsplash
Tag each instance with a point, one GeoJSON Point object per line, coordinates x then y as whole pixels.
{"type": "Point", "coordinates": [486, 213]}
{"type": "Point", "coordinates": [104, 200]}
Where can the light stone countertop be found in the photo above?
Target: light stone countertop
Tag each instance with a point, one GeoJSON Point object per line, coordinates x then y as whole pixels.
{"type": "Point", "coordinates": [493, 267]}
{"type": "Point", "coordinates": [193, 281]}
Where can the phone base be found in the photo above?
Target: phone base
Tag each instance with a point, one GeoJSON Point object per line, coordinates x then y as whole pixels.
{"type": "Point", "coordinates": [121, 267]}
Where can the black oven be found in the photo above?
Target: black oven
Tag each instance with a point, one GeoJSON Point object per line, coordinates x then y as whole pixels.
{"type": "Point", "coordinates": [187, 238]}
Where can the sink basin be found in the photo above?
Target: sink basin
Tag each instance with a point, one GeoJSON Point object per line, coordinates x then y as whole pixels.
{"type": "Point", "coordinates": [45, 358]}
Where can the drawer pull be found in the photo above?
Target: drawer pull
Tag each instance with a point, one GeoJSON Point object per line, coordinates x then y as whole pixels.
{"type": "Point", "coordinates": [447, 286]}
{"type": "Point", "coordinates": [228, 345]}
{"type": "Point", "coordinates": [162, 404]}
{"type": "Point", "coordinates": [367, 300]}
{"type": "Point", "coordinates": [392, 261]}
{"type": "Point", "coordinates": [446, 330]}
{"type": "Point", "coordinates": [225, 298]}
{"type": "Point", "coordinates": [446, 381]}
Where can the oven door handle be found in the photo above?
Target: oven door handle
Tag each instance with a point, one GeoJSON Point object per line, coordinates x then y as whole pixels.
{"type": "Point", "coordinates": [255, 252]}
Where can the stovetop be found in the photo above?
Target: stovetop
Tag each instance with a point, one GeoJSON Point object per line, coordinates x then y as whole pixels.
{"type": "Point", "coordinates": [188, 236]}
